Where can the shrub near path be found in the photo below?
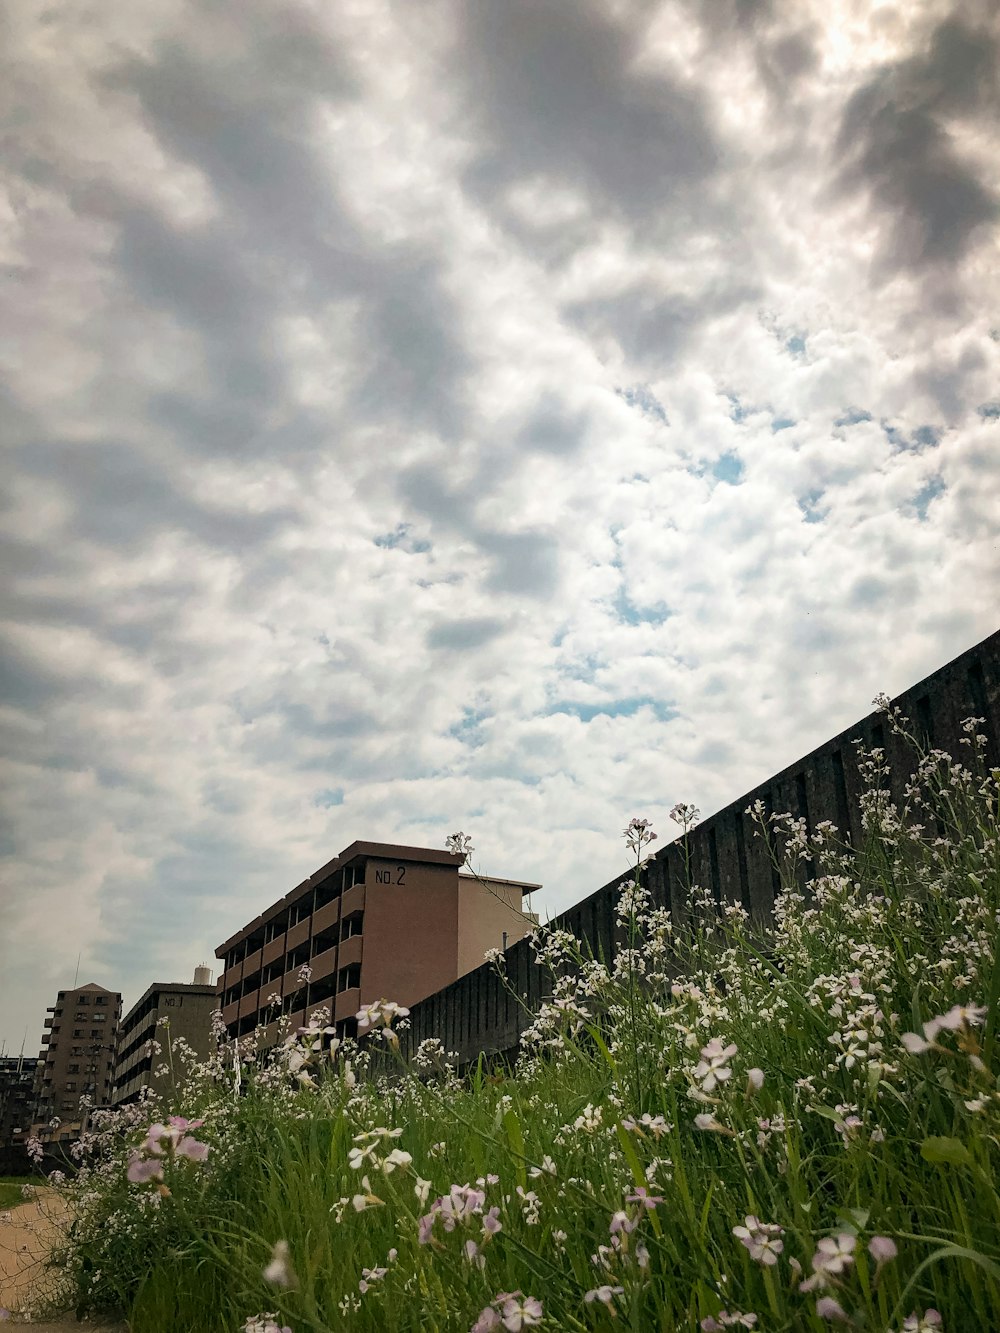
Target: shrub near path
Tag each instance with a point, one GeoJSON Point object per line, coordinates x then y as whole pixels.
{"type": "Point", "coordinates": [726, 1127]}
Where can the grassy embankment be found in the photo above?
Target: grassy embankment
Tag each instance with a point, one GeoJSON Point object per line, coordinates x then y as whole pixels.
{"type": "Point", "coordinates": [800, 1126]}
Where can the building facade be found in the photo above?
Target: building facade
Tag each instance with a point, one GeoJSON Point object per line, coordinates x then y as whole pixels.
{"type": "Point", "coordinates": [379, 920]}
{"type": "Point", "coordinates": [17, 1098]}
{"type": "Point", "coordinates": [166, 1011]}
{"type": "Point", "coordinates": [78, 1052]}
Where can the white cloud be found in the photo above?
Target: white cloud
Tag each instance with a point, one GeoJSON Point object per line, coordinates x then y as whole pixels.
{"type": "Point", "coordinates": [422, 423]}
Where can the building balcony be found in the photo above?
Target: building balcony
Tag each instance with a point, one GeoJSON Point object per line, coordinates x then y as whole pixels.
{"type": "Point", "coordinates": [350, 950]}
{"type": "Point", "coordinates": [348, 1003]}
{"type": "Point", "coordinates": [327, 916]}
{"type": "Point", "coordinates": [230, 1012]}
{"type": "Point", "coordinates": [251, 963]}
{"type": "Point", "coordinates": [290, 982]}
{"type": "Point", "coordinates": [353, 900]}
{"type": "Point", "coordinates": [249, 1004]}
{"type": "Point", "coordinates": [273, 950]}
{"type": "Point", "coordinates": [323, 964]}
{"type": "Point", "coordinates": [297, 934]}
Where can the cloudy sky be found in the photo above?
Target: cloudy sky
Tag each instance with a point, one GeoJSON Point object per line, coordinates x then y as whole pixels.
{"type": "Point", "coordinates": [499, 415]}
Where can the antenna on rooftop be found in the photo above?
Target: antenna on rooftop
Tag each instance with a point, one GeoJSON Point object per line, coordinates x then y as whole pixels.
{"type": "Point", "coordinates": [77, 976]}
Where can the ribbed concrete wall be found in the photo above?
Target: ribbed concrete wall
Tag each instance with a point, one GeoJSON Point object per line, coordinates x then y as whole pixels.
{"type": "Point", "coordinates": [477, 1014]}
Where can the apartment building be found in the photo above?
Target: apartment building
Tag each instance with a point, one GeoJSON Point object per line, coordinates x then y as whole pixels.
{"type": "Point", "coordinates": [165, 1011]}
{"type": "Point", "coordinates": [78, 1051]}
{"type": "Point", "coordinates": [378, 920]}
{"type": "Point", "coordinates": [17, 1098]}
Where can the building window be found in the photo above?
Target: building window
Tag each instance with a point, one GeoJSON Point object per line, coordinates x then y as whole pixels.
{"type": "Point", "coordinates": [72, 1069]}
{"type": "Point", "coordinates": [354, 874]}
{"type": "Point", "coordinates": [83, 999]}
{"type": "Point", "coordinates": [350, 977]}
{"type": "Point", "coordinates": [297, 957]}
{"type": "Point", "coordinates": [100, 999]}
{"type": "Point", "coordinates": [70, 1086]}
{"type": "Point", "coordinates": [301, 911]}
{"type": "Point", "coordinates": [77, 1032]}
{"type": "Point", "coordinates": [352, 925]}
{"type": "Point", "coordinates": [328, 892]}
{"type": "Point", "coordinates": [99, 1018]}
{"type": "Point", "coordinates": [275, 928]}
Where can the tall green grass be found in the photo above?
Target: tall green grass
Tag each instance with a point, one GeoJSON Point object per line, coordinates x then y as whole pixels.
{"type": "Point", "coordinates": [742, 1078]}
{"type": "Point", "coordinates": [10, 1192]}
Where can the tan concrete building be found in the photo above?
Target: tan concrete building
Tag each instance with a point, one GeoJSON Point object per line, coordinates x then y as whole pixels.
{"type": "Point", "coordinates": [78, 1052]}
{"type": "Point", "coordinates": [379, 920]}
{"type": "Point", "coordinates": [187, 1009]}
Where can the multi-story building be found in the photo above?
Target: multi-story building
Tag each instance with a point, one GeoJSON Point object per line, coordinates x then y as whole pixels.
{"type": "Point", "coordinates": [17, 1098]}
{"type": "Point", "coordinates": [379, 920]}
{"type": "Point", "coordinates": [78, 1052]}
{"type": "Point", "coordinates": [166, 1011]}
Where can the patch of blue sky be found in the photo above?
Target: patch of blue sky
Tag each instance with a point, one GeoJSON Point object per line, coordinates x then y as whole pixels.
{"type": "Point", "coordinates": [626, 707]}
{"type": "Point", "coordinates": [328, 797]}
{"type": "Point", "coordinates": [782, 423]}
{"type": "Point", "coordinates": [585, 668]}
{"type": "Point", "coordinates": [468, 729]}
{"type": "Point", "coordinates": [642, 397]}
{"type": "Point", "coordinates": [729, 468]}
{"type": "Point", "coordinates": [737, 412]}
{"type": "Point", "coordinates": [809, 504]}
{"type": "Point", "coordinates": [990, 411]}
{"type": "Point", "coordinates": [632, 613]}
{"type": "Point", "coordinates": [930, 490]}
{"type": "Point", "coordinates": [796, 345]}
{"type": "Point", "coordinates": [924, 437]}
{"type": "Point", "coordinates": [400, 536]}
{"type": "Point", "coordinates": [853, 416]}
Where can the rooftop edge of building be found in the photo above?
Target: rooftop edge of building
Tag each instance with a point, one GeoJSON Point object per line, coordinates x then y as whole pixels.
{"type": "Point", "coordinates": [186, 987]}
{"type": "Point", "coordinates": [385, 850]}
{"type": "Point", "coordinates": [525, 885]}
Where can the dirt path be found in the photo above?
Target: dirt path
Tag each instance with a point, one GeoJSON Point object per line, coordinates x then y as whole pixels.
{"type": "Point", "coordinates": [27, 1233]}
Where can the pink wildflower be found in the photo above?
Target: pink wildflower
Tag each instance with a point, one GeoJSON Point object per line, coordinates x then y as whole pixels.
{"type": "Point", "coordinates": [142, 1170]}
{"type": "Point", "coordinates": [929, 1322]}
{"type": "Point", "coordinates": [882, 1249]}
{"type": "Point", "coordinates": [519, 1311]}
{"type": "Point", "coordinates": [643, 1196]}
{"type": "Point", "coordinates": [828, 1308]}
{"type": "Point", "coordinates": [762, 1239]}
{"type": "Point", "coordinates": [606, 1295]}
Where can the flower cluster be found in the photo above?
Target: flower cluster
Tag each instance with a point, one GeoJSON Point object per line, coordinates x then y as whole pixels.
{"type": "Point", "coordinates": [165, 1143]}
{"type": "Point", "coordinates": [462, 1207]}
{"type": "Point", "coordinates": [379, 1017]}
{"type": "Point", "coordinates": [510, 1310]}
{"type": "Point", "coordinates": [368, 1148]}
{"type": "Point", "coordinates": [762, 1239]}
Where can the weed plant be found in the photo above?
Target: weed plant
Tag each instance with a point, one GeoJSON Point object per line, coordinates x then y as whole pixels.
{"type": "Point", "coordinates": [725, 1126]}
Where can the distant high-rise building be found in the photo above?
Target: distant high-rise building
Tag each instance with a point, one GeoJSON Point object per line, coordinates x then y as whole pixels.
{"type": "Point", "coordinates": [379, 920]}
{"type": "Point", "coordinates": [166, 1011]}
{"type": "Point", "coordinates": [17, 1097]}
{"type": "Point", "coordinates": [78, 1052]}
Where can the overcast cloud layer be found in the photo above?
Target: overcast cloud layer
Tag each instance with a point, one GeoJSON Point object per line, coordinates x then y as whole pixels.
{"type": "Point", "coordinates": [506, 415]}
